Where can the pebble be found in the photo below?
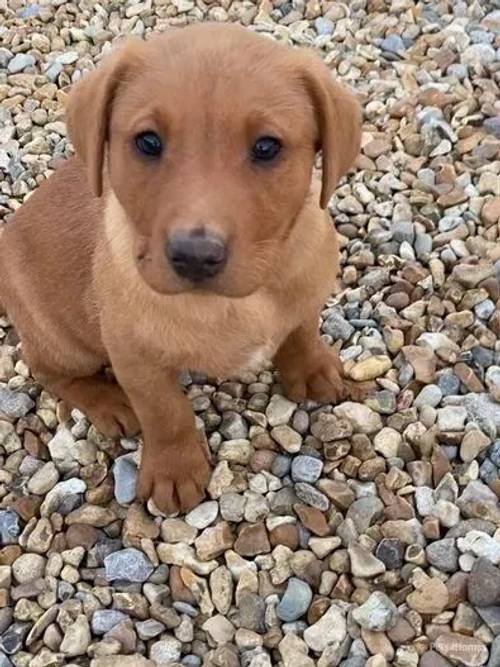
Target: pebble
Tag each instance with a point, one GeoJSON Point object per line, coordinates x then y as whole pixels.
{"type": "Point", "coordinates": [306, 469]}
{"type": "Point", "coordinates": [330, 628]}
{"type": "Point", "coordinates": [76, 638]}
{"type": "Point", "coordinates": [363, 419]}
{"type": "Point", "coordinates": [279, 410]}
{"type": "Point", "coordinates": [20, 62]}
{"type": "Point", "coordinates": [295, 602]}
{"type": "Point", "coordinates": [14, 405]}
{"type": "Point", "coordinates": [128, 565]}
{"type": "Point", "coordinates": [166, 651]}
{"type": "Point", "coordinates": [377, 614]}
{"type": "Point", "coordinates": [125, 474]}
{"type": "Point", "coordinates": [483, 584]}
{"type": "Point", "coordinates": [9, 527]}
{"type": "Point", "coordinates": [203, 515]}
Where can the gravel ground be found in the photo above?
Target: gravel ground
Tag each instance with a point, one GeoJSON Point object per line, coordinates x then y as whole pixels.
{"type": "Point", "coordinates": [350, 535]}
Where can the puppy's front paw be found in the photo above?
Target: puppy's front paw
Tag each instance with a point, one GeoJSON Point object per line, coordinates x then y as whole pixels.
{"type": "Point", "coordinates": [175, 477]}
{"type": "Point", "coordinates": [321, 379]}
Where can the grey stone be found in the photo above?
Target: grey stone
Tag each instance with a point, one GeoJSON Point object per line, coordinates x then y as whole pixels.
{"type": "Point", "coordinates": [103, 620]}
{"type": "Point", "coordinates": [13, 638]}
{"type": "Point", "coordinates": [252, 610]}
{"type": "Point", "coordinates": [14, 404]}
{"type": "Point", "coordinates": [149, 629]}
{"type": "Point", "coordinates": [483, 584]}
{"type": "Point", "coordinates": [296, 600]}
{"type": "Point", "coordinates": [364, 512]}
{"type": "Point", "coordinates": [449, 383]}
{"type": "Point", "coordinates": [128, 565]}
{"type": "Point", "coordinates": [9, 527]}
{"type": "Point", "coordinates": [233, 426]}
{"type": "Point", "coordinates": [390, 551]}
{"type": "Point", "coordinates": [203, 515]}
{"type": "Point", "coordinates": [492, 125]}
{"type": "Point", "coordinates": [431, 395]}
{"type": "Point", "coordinates": [494, 660]}
{"type": "Point", "coordinates": [443, 554]}
{"type": "Point", "coordinates": [324, 26]}
{"type": "Point", "coordinates": [337, 327]}
{"type": "Point", "coordinates": [166, 651]}
{"type": "Point", "coordinates": [378, 613]}
{"type": "Point", "coordinates": [311, 496]}
{"type": "Point", "coordinates": [125, 474]}
{"type": "Point", "coordinates": [393, 44]}
{"type": "Point", "coordinates": [306, 469]}
{"type": "Point", "coordinates": [20, 62]}
{"type": "Point", "coordinates": [485, 412]}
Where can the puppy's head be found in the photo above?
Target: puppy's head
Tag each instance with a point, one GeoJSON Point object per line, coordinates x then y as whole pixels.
{"type": "Point", "coordinates": [208, 135]}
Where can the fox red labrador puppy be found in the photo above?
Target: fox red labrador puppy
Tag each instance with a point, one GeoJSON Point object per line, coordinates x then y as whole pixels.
{"type": "Point", "coordinates": [187, 233]}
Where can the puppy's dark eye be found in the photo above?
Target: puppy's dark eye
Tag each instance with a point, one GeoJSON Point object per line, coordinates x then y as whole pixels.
{"type": "Point", "coordinates": [265, 149]}
{"type": "Point", "coordinates": [149, 143]}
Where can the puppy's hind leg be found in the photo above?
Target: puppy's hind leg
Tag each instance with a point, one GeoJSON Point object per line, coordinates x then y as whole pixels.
{"type": "Point", "coordinates": [85, 387]}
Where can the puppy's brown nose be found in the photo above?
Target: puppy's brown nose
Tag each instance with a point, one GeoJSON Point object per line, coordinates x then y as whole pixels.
{"type": "Point", "coordinates": [196, 255]}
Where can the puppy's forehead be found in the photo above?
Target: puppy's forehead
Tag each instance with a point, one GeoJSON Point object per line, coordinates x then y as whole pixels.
{"type": "Point", "coordinates": [223, 70]}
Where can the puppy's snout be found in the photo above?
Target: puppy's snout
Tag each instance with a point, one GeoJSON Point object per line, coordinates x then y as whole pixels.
{"type": "Point", "coordinates": [196, 255]}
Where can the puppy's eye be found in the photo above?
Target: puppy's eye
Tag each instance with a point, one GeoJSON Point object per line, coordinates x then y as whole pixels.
{"type": "Point", "coordinates": [149, 143]}
{"type": "Point", "coordinates": [265, 149]}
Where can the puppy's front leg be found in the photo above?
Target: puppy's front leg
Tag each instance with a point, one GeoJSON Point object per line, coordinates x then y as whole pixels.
{"type": "Point", "coordinates": [311, 370]}
{"type": "Point", "coordinates": [174, 468]}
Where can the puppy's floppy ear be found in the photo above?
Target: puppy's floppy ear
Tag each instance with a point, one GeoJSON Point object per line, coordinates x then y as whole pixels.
{"type": "Point", "coordinates": [89, 109]}
{"type": "Point", "coordinates": [339, 120]}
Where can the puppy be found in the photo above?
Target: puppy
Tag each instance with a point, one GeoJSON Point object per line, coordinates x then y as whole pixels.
{"type": "Point", "coordinates": [187, 233]}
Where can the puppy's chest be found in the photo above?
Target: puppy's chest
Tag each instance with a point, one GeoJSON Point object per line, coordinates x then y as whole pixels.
{"type": "Point", "coordinates": [223, 342]}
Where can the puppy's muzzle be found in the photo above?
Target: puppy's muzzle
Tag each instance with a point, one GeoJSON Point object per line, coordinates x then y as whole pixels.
{"type": "Point", "coordinates": [196, 255]}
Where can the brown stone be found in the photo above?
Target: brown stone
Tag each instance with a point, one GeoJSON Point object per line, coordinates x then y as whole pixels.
{"type": "Point", "coordinates": [490, 213]}
{"type": "Point", "coordinates": [313, 519]}
{"type": "Point", "coordinates": [467, 376]}
{"type": "Point", "coordinates": [432, 598]}
{"type": "Point", "coordinates": [252, 540]}
{"type": "Point", "coordinates": [138, 525]}
{"type": "Point", "coordinates": [27, 507]}
{"type": "Point", "coordinates": [9, 554]}
{"type": "Point", "coordinates": [317, 609]}
{"type": "Point", "coordinates": [423, 362]}
{"type": "Point", "coordinates": [180, 592]}
{"type": "Point", "coordinates": [214, 541]}
{"type": "Point", "coordinates": [440, 464]}
{"type": "Point", "coordinates": [341, 495]}
{"type": "Point", "coordinates": [81, 535]}
{"type": "Point", "coordinates": [262, 459]}
{"type": "Point", "coordinates": [433, 659]}
{"type": "Point", "coordinates": [34, 446]}
{"type": "Point", "coordinates": [467, 651]}
{"type": "Point", "coordinates": [402, 633]}
{"type": "Point", "coordinates": [287, 535]}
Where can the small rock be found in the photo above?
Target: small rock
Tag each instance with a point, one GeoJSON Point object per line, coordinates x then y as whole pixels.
{"type": "Point", "coordinates": [483, 584]}
{"type": "Point", "coordinates": [459, 648]}
{"type": "Point", "coordinates": [295, 602]}
{"type": "Point", "coordinates": [377, 614]}
{"type": "Point", "coordinates": [14, 405]}
{"type": "Point", "coordinates": [306, 469]}
{"type": "Point", "coordinates": [125, 474]}
{"type": "Point", "coordinates": [166, 651]}
{"type": "Point", "coordinates": [128, 565]}
{"type": "Point", "coordinates": [77, 637]}
{"type": "Point", "coordinates": [330, 628]}
{"type": "Point", "coordinates": [363, 419]}
{"type": "Point", "coordinates": [279, 410]}
{"type": "Point", "coordinates": [203, 515]}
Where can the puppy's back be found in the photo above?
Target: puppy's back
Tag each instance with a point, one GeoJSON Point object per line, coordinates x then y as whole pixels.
{"type": "Point", "coordinates": [46, 253]}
